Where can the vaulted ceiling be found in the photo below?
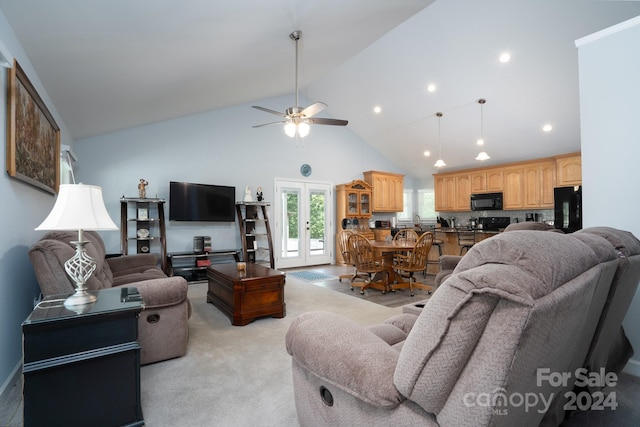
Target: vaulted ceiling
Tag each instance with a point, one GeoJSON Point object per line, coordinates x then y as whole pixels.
{"type": "Point", "coordinates": [111, 65]}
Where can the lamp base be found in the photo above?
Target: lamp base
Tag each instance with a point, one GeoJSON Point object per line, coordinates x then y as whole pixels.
{"type": "Point", "coordinates": [80, 297]}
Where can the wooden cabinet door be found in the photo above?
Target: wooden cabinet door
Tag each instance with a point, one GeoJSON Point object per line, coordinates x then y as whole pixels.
{"type": "Point", "coordinates": [512, 188]}
{"type": "Point", "coordinates": [531, 187]}
{"type": "Point", "coordinates": [445, 190]}
{"type": "Point", "coordinates": [569, 170]}
{"type": "Point", "coordinates": [462, 193]}
{"type": "Point", "coordinates": [396, 194]}
{"type": "Point", "coordinates": [547, 184]}
{"type": "Point", "coordinates": [364, 203]}
{"type": "Point", "coordinates": [495, 180]}
{"type": "Point", "coordinates": [478, 182]}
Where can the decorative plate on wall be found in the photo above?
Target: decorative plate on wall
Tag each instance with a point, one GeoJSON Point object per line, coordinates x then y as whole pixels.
{"type": "Point", "coordinates": [305, 170]}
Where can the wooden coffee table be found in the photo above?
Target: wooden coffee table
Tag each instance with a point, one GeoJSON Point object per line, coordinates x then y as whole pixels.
{"type": "Point", "coordinates": [244, 296]}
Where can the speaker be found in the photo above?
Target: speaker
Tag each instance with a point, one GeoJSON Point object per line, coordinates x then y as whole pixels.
{"type": "Point", "coordinates": [198, 244]}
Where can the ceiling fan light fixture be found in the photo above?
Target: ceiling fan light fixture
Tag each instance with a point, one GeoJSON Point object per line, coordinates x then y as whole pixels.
{"type": "Point", "coordinates": [303, 129]}
{"type": "Point", "coordinates": [290, 129]}
{"type": "Point", "coordinates": [297, 120]}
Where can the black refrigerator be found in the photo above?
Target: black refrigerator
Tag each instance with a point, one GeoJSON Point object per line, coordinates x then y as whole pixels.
{"type": "Point", "coordinates": [568, 208]}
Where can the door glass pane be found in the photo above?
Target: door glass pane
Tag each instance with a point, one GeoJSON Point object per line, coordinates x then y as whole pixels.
{"type": "Point", "coordinates": [291, 230]}
{"type": "Point", "coordinates": [317, 223]}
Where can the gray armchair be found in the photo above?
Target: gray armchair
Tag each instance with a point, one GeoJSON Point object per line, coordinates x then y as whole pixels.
{"type": "Point", "coordinates": [516, 302]}
{"type": "Point", "coordinates": [163, 330]}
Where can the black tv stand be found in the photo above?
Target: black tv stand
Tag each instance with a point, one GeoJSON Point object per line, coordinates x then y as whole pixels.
{"type": "Point", "coordinates": [186, 264]}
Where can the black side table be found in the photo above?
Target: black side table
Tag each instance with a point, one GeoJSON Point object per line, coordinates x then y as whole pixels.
{"type": "Point", "coordinates": [83, 368]}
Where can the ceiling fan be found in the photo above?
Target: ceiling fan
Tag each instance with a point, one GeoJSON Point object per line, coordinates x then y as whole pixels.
{"type": "Point", "coordinates": [296, 119]}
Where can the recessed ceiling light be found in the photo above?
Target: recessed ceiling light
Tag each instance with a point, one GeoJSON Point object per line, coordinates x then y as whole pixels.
{"type": "Point", "coordinates": [547, 128]}
{"type": "Point", "coordinates": [480, 141]}
{"type": "Point", "coordinates": [377, 109]}
{"type": "Point", "coordinates": [431, 87]}
{"type": "Point", "coordinates": [505, 57]}
{"type": "Point", "coordinates": [427, 153]}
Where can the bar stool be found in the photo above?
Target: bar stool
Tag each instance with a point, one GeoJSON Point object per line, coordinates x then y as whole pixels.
{"type": "Point", "coordinates": [438, 243]}
{"type": "Point", "coordinates": [466, 239]}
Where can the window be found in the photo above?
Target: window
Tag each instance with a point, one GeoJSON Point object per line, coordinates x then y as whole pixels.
{"type": "Point", "coordinates": [426, 204]}
{"type": "Point", "coordinates": [407, 206]}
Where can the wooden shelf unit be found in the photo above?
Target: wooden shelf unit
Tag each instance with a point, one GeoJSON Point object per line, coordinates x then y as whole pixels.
{"type": "Point", "coordinates": [255, 233]}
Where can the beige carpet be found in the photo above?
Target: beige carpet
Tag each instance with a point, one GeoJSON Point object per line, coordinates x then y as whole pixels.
{"type": "Point", "coordinates": [239, 375]}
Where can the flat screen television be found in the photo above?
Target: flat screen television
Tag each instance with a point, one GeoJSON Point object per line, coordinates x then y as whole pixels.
{"type": "Point", "coordinates": [201, 202]}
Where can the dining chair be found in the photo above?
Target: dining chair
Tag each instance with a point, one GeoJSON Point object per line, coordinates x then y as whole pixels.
{"type": "Point", "coordinates": [365, 260]}
{"type": "Point", "coordinates": [343, 247]}
{"type": "Point", "coordinates": [408, 234]}
{"type": "Point", "coordinates": [405, 235]}
{"type": "Point", "coordinates": [466, 239]}
{"type": "Point", "coordinates": [414, 261]}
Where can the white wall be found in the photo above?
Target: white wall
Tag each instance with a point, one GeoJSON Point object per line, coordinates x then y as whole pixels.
{"type": "Point", "coordinates": [23, 208]}
{"type": "Point", "coordinates": [218, 147]}
{"type": "Point", "coordinates": [609, 73]}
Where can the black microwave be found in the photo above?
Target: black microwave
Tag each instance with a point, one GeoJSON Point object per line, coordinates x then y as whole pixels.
{"type": "Point", "coordinates": [486, 202]}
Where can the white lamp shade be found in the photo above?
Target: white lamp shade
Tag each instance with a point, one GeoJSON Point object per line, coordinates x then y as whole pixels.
{"type": "Point", "coordinates": [78, 207]}
{"type": "Point", "coordinates": [290, 129]}
{"type": "Point", "coordinates": [483, 156]}
{"type": "Point", "coordinates": [303, 129]}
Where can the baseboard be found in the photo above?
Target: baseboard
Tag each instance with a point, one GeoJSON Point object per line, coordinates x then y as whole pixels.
{"type": "Point", "coordinates": [10, 381]}
{"type": "Point", "coordinates": [632, 368]}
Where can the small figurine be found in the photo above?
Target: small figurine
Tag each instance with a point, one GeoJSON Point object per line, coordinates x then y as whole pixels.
{"type": "Point", "coordinates": [259, 194]}
{"type": "Point", "coordinates": [247, 195]}
{"type": "Point", "coordinates": [142, 188]}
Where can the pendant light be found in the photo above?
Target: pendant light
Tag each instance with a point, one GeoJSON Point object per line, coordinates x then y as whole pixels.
{"type": "Point", "coordinates": [483, 154]}
{"type": "Point", "coordinates": [439, 163]}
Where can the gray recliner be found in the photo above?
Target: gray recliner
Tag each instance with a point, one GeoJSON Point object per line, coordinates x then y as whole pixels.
{"type": "Point", "coordinates": [163, 329]}
{"type": "Point", "coordinates": [516, 303]}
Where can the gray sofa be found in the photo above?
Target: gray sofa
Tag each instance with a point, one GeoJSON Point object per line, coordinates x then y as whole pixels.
{"type": "Point", "coordinates": [516, 303]}
{"type": "Point", "coordinates": [163, 329]}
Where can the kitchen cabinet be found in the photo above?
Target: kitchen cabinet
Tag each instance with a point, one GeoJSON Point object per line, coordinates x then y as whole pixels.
{"type": "Point", "coordinates": [445, 192]}
{"type": "Point", "coordinates": [353, 200]}
{"type": "Point", "coordinates": [525, 185]}
{"type": "Point", "coordinates": [539, 179]}
{"type": "Point", "coordinates": [569, 170]}
{"type": "Point", "coordinates": [513, 188]}
{"type": "Point", "coordinates": [463, 193]}
{"type": "Point", "coordinates": [486, 181]}
{"type": "Point", "coordinates": [387, 191]}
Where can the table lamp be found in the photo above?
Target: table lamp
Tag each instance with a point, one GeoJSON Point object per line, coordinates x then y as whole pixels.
{"type": "Point", "coordinates": [79, 207]}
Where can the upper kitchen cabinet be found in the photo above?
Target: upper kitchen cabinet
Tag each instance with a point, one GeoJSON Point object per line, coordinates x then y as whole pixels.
{"type": "Point", "coordinates": [513, 186]}
{"type": "Point", "coordinates": [463, 193]}
{"type": "Point", "coordinates": [445, 192]}
{"type": "Point", "coordinates": [525, 185]}
{"type": "Point", "coordinates": [486, 181]}
{"type": "Point", "coordinates": [569, 170]}
{"type": "Point", "coordinates": [353, 200]}
{"type": "Point", "coordinates": [539, 179]}
{"type": "Point", "coordinates": [387, 190]}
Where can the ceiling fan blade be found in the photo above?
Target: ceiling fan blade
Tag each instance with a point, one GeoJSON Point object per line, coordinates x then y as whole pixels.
{"type": "Point", "coordinates": [313, 109]}
{"type": "Point", "coordinates": [277, 113]}
{"type": "Point", "coordinates": [266, 124]}
{"type": "Point", "coordinates": [321, 121]}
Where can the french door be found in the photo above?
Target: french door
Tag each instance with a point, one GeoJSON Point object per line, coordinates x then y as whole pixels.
{"type": "Point", "coordinates": [304, 223]}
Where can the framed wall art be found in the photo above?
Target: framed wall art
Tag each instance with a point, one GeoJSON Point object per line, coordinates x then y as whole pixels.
{"type": "Point", "coordinates": [33, 137]}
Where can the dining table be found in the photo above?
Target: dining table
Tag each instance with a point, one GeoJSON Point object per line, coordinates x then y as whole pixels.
{"type": "Point", "coordinates": [391, 279]}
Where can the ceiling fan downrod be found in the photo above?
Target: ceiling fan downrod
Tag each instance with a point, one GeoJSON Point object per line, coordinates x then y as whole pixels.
{"type": "Point", "coordinates": [295, 36]}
